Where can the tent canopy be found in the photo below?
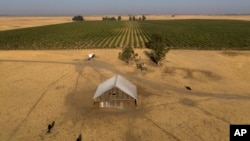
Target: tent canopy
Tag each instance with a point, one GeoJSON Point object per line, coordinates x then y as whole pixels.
{"type": "Point", "coordinates": [119, 82]}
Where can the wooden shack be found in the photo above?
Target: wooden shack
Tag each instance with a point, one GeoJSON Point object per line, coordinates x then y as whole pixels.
{"type": "Point", "coordinates": [116, 92]}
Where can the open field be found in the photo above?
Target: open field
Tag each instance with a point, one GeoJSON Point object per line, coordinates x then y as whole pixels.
{"type": "Point", "coordinates": [179, 34]}
{"type": "Point", "coordinates": [15, 22]}
{"type": "Point", "coordinates": [38, 87]}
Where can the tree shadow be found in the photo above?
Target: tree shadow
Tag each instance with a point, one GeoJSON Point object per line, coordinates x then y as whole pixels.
{"type": "Point", "coordinates": [150, 56]}
{"type": "Point", "coordinates": [191, 73]}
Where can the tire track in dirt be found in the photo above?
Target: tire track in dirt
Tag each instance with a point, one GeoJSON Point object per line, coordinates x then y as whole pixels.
{"type": "Point", "coordinates": [186, 125]}
{"type": "Point", "coordinates": [212, 115]}
{"type": "Point", "coordinates": [159, 127]}
{"type": "Point", "coordinates": [36, 103]}
{"type": "Point", "coordinates": [172, 103]}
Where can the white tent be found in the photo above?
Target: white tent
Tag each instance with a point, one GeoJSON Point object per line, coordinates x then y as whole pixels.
{"type": "Point", "coordinates": [91, 55]}
{"type": "Point", "coordinates": [115, 89]}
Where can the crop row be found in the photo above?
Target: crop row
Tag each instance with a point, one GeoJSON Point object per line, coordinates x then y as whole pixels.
{"type": "Point", "coordinates": [179, 34]}
{"type": "Point", "coordinates": [201, 34]}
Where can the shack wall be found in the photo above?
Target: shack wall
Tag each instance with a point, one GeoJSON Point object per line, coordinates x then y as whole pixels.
{"type": "Point", "coordinates": [114, 98]}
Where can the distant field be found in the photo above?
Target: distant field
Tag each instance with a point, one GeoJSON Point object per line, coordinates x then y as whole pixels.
{"type": "Point", "coordinates": [179, 34]}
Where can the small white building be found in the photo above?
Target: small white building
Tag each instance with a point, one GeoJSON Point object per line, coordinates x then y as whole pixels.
{"type": "Point", "coordinates": [116, 92]}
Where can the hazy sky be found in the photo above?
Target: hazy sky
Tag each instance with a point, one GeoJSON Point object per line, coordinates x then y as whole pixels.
{"type": "Point", "coordinates": [69, 7]}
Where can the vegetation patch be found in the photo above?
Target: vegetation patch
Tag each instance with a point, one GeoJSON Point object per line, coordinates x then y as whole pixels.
{"type": "Point", "coordinates": [177, 34]}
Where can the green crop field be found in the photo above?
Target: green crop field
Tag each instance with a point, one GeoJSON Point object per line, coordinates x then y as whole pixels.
{"type": "Point", "coordinates": [179, 34]}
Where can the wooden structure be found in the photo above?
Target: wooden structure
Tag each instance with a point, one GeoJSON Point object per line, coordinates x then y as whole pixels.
{"type": "Point", "coordinates": [116, 92]}
{"type": "Point", "coordinates": [142, 66]}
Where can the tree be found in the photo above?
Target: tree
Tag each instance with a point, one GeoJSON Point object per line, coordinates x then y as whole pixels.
{"type": "Point", "coordinates": [159, 48]}
{"type": "Point", "coordinates": [127, 54]}
{"type": "Point", "coordinates": [143, 18]}
{"type": "Point", "coordinates": [104, 18]}
{"type": "Point", "coordinates": [112, 19]}
{"type": "Point", "coordinates": [134, 18]}
{"type": "Point", "coordinates": [77, 18]}
{"type": "Point", "coordinates": [119, 18]}
{"type": "Point", "coordinates": [130, 18]}
{"type": "Point", "coordinates": [108, 18]}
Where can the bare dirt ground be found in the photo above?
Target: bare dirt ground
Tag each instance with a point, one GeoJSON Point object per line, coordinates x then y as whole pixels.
{"type": "Point", "coordinates": [12, 22]}
{"type": "Point", "coordinates": [38, 87]}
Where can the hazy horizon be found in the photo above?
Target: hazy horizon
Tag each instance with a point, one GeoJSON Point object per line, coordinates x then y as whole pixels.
{"type": "Point", "coordinates": [123, 7]}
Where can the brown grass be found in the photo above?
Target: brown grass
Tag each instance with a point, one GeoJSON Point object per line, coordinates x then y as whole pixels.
{"type": "Point", "coordinates": [12, 22]}
{"type": "Point", "coordinates": [38, 87]}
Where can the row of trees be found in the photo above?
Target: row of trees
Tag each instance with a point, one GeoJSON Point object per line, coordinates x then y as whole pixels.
{"type": "Point", "coordinates": [111, 18]}
{"type": "Point", "coordinates": [119, 18]}
{"type": "Point", "coordinates": [156, 44]}
{"type": "Point", "coordinates": [133, 18]}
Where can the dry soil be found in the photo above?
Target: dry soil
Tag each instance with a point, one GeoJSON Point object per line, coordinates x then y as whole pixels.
{"type": "Point", "coordinates": [38, 87]}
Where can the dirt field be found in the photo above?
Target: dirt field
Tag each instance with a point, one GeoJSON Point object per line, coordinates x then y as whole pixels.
{"type": "Point", "coordinates": [13, 22]}
{"type": "Point", "coordinates": [8, 23]}
{"type": "Point", "coordinates": [38, 87]}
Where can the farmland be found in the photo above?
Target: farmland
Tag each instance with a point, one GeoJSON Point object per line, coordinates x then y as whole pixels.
{"type": "Point", "coordinates": [46, 76]}
{"type": "Point", "coordinates": [179, 34]}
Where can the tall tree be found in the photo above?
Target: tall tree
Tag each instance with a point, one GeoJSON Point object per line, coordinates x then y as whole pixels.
{"type": "Point", "coordinates": [159, 48]}
{"type": "Point", "coordinates": [127, 54]}
{"type": "Point", "coordinates": [143, 18]}
{"type": "Point", "coordinates": [130, 18]}
{"type": "Point", "coordinates": [134, 18]}
{"type": "Point", "coordinates": [119, 18]}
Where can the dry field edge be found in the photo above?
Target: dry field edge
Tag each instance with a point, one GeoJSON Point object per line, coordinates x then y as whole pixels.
{"type": "Point", "coordinates": [14, 22]}
{"type": "Point", "coordinates": [42, 86]}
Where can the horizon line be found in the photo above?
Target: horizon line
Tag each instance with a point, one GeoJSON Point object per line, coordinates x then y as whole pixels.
{"type": "Point", "coordinates": [17, 15]}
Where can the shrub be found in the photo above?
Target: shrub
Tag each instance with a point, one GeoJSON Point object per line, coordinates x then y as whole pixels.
{"type": "Point", "coordinates": [127, 54]}
{"type": "Point", "coordinates": [78, 18]}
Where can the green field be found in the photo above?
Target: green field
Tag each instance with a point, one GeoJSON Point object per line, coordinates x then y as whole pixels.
{"type": "Point", "coordinates": [179, 34]}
